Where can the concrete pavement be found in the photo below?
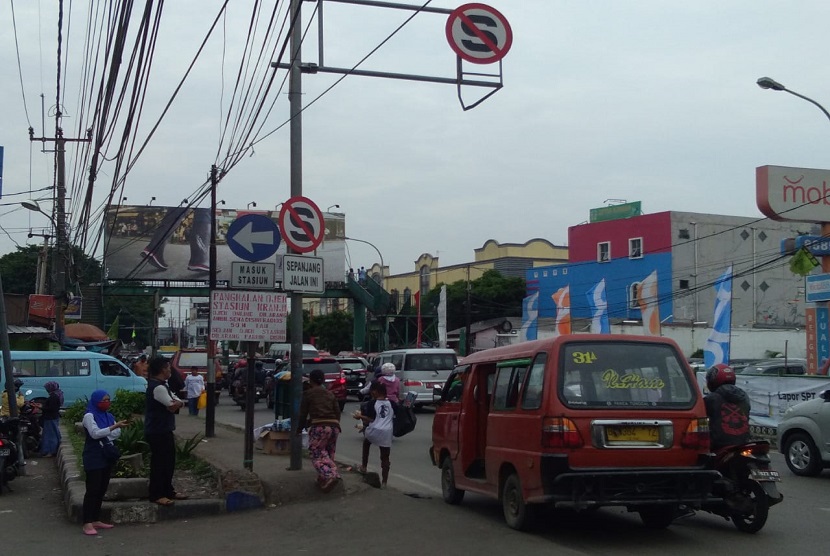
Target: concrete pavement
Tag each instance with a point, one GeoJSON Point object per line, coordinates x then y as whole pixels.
{"type": "Point", "coordinates": [270, 484]}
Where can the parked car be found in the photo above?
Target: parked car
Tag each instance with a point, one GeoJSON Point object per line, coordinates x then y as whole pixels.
{"type": "Point", "coordinates": [804, 436]}
{"type": "Point", "coordinates": [775, 367]}
{"type": "Point", "coordinates": [335, 378]}
{"type": "Point", "coordinates": [185, 359]}
{"type": "Point", "coordinates": [356, 371]}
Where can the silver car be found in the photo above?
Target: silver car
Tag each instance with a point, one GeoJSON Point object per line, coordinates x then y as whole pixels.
{"type": "Point", "coordinates": [804, 436]}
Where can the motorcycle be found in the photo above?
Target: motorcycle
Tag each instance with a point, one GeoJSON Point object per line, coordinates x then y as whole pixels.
{"type": "Point", "coordinates": [30, 415]}
{"type": "Point", "coordinates": [747, 488]}
{"type": "Point", "coordinates": [8, 451]}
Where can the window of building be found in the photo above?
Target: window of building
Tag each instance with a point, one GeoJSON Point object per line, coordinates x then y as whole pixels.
{"type": "Point", "coordinates": [604, 252]}
{"type": "Point", "coordinates": [634, 296]}
{"type": "Point", "coordinates": [684, 285]}
{"type": "Point", "coordinates": [395, 299]}
{"type": "Point", "coordinates": [423, 281]}
{"type": "Point", "coordinates": [635, 248]}
{"type": "Point", "coordinates": [683, 233]}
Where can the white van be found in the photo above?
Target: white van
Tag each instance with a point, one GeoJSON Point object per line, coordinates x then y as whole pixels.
{"type": "Point", "coordinates": [420, 370]}
{"type": "Point", "coordinates": [79, 374]}
{"type": "Point", "coordinates": [283, 351]}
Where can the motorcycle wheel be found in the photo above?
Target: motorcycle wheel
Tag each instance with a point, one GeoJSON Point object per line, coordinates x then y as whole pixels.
{"type": "Point", "coordinates": [658, 517]}
{"type": "Point", "coordinates": [31, 445]}
{"type": "Point", "coordinates": [752, 523]}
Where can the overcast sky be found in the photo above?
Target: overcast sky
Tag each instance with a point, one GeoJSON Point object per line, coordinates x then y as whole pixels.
{"type": "Point", "coordinates": [646, 101]}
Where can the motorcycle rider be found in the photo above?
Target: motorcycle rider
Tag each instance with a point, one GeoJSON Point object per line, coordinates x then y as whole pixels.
{"type": "Point", "coordinates": [4, 401]}
{"type": "Point", "coordinates": [727, 407]}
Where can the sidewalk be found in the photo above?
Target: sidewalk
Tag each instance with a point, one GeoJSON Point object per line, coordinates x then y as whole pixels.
{"type": "Point", "coordinates": [271, 484]}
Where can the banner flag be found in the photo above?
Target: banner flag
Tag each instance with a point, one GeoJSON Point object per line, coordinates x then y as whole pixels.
{"type": "Point", "coordinates": [599, 309]}
{"type": "Point", "coordinates": [530, 317]}
{"type": "Point", "coordinates": [803, 262]}
{"type": "Point", "coordinates": [648, 300]}
{"type": "Point", "coordinates": [716, 349]}
{"type": "Point", "coordinates": [562, 299]}
{"type": "Point", "coordinates": [442, 317]}
{"type": "Point", "coordinates": [112, 333]}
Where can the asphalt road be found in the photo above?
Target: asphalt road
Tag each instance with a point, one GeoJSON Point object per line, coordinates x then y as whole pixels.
{"type": "Point", "coordinates": [390, 521]}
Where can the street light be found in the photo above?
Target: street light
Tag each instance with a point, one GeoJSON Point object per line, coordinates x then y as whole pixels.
{"type": "Point", "coordinates": [252, 204]}
{"type": "Point", "coordinates": [59, 266]}
{"type": "Point", "coordinates": [772, 84]}
{"type": "Point", "coordinates": [334, 206]}
{"type": "Point", "coordinates": [376, 249]}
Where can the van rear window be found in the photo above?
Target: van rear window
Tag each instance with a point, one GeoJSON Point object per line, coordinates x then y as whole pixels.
{"type": "Point", "coordinates": [192, 359]}
{"type": "Point", "coordinates": [430, 362]}
{"type": "Point", "coordinates": [624, 374]}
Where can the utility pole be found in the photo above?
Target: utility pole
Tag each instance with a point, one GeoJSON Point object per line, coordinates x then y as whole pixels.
{"type": "Point", "coordinates": [61, 256]}
{"type": "Point", "coordinates": [468, 315]}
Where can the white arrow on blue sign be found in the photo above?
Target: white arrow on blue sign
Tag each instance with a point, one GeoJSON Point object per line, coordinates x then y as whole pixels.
{"type": "Point", "coordinates": [253, 237]}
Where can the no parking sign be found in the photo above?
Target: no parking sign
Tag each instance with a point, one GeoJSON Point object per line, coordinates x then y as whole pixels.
{"type": "Point", "coordinates": [302, 225]}
{"type": "Point", "coordinates": [479, 33]}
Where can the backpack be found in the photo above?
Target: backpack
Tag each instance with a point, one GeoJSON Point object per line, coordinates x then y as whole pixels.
{"type": "Point", "coordinates": [405, 420]}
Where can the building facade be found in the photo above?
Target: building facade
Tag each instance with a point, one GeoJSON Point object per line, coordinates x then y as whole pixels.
{"type": "Point", "coordinates": [688, 252]}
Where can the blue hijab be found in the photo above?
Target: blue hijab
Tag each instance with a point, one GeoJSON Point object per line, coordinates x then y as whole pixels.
{"type": "Point", "coordinates": [102, 418]}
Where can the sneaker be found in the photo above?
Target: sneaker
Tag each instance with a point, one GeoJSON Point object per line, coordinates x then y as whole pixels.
{"type": "Point", "coordinates": [154, 260]}
{"type": "Point", "coordinates": [198, 267]}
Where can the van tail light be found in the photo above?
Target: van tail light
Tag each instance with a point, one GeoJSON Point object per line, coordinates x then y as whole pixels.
{"type": "Point", "coordinates": [413, 383]}
{"type": "Point", "coordinates": [560, 432]}
{"type": "Point", "coordinates": [696, 436]}
{"type": "Point", "coordinates": [342, 379]}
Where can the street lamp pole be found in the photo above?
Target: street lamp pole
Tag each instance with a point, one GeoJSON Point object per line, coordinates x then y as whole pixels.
{"type": "Point", "coordinates": [769, 83]}
{"type": "Point", "coordinates": [376, 249]}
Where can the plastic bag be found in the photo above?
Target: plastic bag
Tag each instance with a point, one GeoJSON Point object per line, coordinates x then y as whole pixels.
{"type": "Point", "coordinates": [202, 403]}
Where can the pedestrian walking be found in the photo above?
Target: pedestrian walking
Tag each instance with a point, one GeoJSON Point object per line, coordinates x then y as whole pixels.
{"type": "Point", "coordinates": [99, 456]}
{"type": "Point", "coordinates": [320, 411]}
{"type": "Point", "coordinates": [361, 276]}
{"type": "Point", "coordinates": [195, 385]}
{"type": "Point", "coordinates": [51, 438]}
{"type": "Point", "coordinates": [377, 416]}
{"type": "Point", "coordinates": [159, 423]}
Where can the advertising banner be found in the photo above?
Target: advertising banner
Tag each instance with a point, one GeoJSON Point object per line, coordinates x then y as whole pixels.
{"type": "Point", "coordinates": [173, 243]}
{"type": "Point", "coordinates": [42, 306]}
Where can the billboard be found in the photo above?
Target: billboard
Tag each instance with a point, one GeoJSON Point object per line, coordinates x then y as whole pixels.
{"type": "Point", "coordinates": [616, 212]}
{"type": "Point", "coordinates": [798, 194]}
{"type": "Point", "coordinates": [173, 243]}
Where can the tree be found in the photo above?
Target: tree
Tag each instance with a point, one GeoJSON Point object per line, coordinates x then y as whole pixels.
{"type": "Point", "coordinates": [333, 332]}
{"type": "Point", "coordinates": [19, 269]}
{"type": "Point", "coordinates": [492, 296]}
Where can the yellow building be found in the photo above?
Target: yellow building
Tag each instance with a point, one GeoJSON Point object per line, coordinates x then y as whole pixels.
{"type": "Point", "coordinates": [510, 259]}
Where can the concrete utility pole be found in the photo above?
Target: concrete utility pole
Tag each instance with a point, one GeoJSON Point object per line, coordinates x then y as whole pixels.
{"type": "Point", "coordinates": [210, 409]}
{"type": "Point", "coordinates": [295, 99]}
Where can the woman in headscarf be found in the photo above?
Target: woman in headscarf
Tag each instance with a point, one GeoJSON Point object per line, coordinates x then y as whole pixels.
{"type": "Point", "coordinates": [321, 413]}
{"type": "Point", "coordinates": [51, 438]}
{"type": "Point", "coordinates": [100, 427]}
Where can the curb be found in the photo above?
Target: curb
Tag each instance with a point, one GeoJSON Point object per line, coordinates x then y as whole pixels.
{"type": "Point", "coordinates": [137, 511]}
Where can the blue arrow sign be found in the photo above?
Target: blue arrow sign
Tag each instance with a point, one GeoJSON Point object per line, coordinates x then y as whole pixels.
{"type": "Point", "coordinates": [817, 245]}
{"type": "Point", "coordinates": [253, 237]}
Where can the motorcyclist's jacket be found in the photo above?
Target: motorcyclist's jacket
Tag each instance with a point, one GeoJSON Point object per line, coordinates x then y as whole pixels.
{"type": "Point", "coordinates": [728, 412]}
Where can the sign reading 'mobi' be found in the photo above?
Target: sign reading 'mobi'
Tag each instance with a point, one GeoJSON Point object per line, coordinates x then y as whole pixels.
{"type": "Point", "coordinates": [799, 194]}
{"type": "Point", "coordinates": [249, 316]}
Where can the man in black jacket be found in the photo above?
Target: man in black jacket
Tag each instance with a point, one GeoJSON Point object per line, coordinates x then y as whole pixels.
{"type": "Point", "coordinates": [727, 407]}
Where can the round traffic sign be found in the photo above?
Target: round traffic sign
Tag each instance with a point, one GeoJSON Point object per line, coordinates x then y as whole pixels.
{"type": "Point", "coordinates": [253, 237]}
{"type": "Point", "coordinates": [302, 225]}
{"type": "Point", "coordinates": [479, 34]}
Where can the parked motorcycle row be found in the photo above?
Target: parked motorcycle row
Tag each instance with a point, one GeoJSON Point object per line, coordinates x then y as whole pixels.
{"type": "Point", "coordinates": [27, 424]}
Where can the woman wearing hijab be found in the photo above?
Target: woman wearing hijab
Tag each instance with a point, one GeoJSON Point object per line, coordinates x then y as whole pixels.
{"type": "Point", "coordinates": [100, 427]}
{"type": "Point", "coordinates": [51, 438]}
{"type": "Point", "coordinates": [320, 411]}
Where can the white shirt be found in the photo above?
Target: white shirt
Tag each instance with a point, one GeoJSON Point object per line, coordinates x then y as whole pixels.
{"type": "Point", "coordinates": [379, 431]}
{"type": "Point", "coordinates": [96, 432]}
{"type": "Point", "coordinates": [194, 385]}
{"type": "Point", "coordinates": [162, 394]}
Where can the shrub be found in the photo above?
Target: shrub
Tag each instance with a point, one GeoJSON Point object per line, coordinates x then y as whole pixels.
{"type": "Point", "coordinates": [75, 412]}
{"type": "Point", "coordinates": [131, 440]}
{"type": "Point", "coordinates": [125, 404]}
{"type": "Point", "coordinates": [184, 450]}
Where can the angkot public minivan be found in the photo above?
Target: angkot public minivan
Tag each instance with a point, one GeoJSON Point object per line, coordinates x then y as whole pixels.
{"type": "Point", "coordinates": [579, 421]}
{"type": "Point", "coordinates": [79, 373]}
{"type": "Point", "coordinates": [420, 370]}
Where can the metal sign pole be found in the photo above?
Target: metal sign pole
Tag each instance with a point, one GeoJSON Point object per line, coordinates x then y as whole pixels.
{"type": "Point", "coordinates": [250, 398]}
{"type": "Point", "coordinates": [295, 99]}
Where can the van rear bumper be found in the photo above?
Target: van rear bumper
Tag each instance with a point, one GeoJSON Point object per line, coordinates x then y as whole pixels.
{"type": "Point", "coordinates": [624, 486]}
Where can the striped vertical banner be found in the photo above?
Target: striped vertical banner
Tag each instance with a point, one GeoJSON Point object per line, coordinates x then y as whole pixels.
{"type": "Point", "coordinates": [599, 309]}
{"type": "Point", "coordinates": [648, 300]}
{"type": "Point", "coordinates": [562, 299]}
{"type": "Point", "coordinates": [716, 349]}
{"type": "Point", "coordinates": [530, 317]}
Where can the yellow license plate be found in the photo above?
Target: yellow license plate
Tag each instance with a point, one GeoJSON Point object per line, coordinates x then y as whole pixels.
{"type": "Point", "coordinates": [632, 434]}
